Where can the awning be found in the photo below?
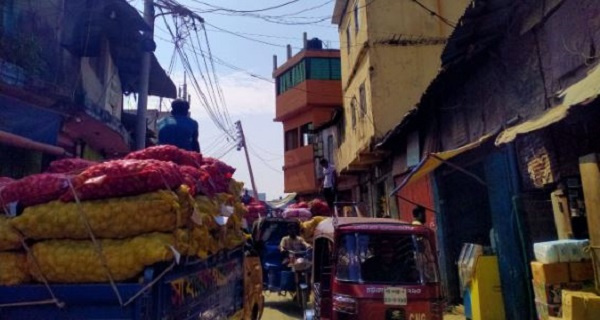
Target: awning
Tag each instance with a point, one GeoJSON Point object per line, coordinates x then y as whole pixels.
{"type": "Point", "coordinates": [28, 121]}
{"type": "Point", "coordinates": [121, 24]}
{"type": "Point", "coordinates": [433, 160]}
{"type": "Point", "coordinates": [282, 203]}
{"type": "Point", "coordinates": [582, 92]}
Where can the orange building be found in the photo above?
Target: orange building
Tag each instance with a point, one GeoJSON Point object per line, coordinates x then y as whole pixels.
{"type": "Point", "coordinates": [308, 90]}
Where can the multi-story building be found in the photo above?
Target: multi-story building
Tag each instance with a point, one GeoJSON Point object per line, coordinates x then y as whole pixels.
{"type": "Point", "coordinates": [390, 51]}
{"type": "Point", "coordinates": [308, 92]}
{"type": "Point", "coordinates": [64, 68]}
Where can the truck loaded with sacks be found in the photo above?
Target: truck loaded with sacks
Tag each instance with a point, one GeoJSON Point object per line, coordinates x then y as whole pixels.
{"type": "Point", "coordinates": [155, 235]}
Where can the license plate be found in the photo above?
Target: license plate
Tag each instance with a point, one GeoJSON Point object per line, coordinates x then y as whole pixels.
{"type": "Point", "coordinates": [394, 296]}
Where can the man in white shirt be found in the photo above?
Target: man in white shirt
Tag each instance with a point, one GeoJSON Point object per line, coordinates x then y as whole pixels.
{"type": "Point", "coordinates": [329, 182]}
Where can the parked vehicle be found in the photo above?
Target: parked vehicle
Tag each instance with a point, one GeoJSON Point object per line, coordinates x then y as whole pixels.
{"type": "Point", "coordinates": [374, 268]}
{"type": "Point", "coordinates": [223, 286]}
{"type": "Point", "coordinates": [282, 274]}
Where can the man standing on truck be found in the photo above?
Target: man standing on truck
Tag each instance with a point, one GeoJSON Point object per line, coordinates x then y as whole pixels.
{"type": "Point", "coordinates": [179, 129]}
{"type": "Point", "coordinates": [329, 182]}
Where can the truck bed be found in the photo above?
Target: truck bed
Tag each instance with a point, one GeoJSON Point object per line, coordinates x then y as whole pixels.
{"type": "Point", "coordinates": [197, 289]}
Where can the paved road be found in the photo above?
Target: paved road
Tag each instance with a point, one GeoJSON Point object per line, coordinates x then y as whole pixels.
{"type": "Point", "coordinates": [283, 308]}
{"type": "Point", "coordinates": [280, 308]}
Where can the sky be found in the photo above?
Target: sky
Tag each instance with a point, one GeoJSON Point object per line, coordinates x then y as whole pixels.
{"type": "Point", "coordinates": [248, 99]}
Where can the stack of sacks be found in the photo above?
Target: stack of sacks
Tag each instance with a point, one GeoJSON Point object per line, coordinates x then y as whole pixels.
{"type": "Point", "coordinates": [297, 211]}
{"type": "Point", "coordinates": [308, 228]}
{"type": "Point", "coordinates": [13, 264]}
{"type": "Point", "coordinates": [560, 265]}
{"type": "Point", "coordinates": [319, 207]}
{"type": "Point", "coordinates": [256, 210]}
{"type": "Point", "coordinates": [32, 190]}
{"type": "Point", "coordinates": [142, 210]}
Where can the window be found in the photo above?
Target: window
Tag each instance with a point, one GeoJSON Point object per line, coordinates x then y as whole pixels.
{"type": "Point", "coordinates": [341, 128]}
{"type": "Point", "coordinates": [362, 95]}
{"type": "Point", "coordinates": [323, 69]}
{"type": "Point", "coordinates": [291, 139]}
{"type": "Point", "coordinates": [291, 78]}
{"type": "Point", "coordinates": [356, 16]}
{"type": "Point", "coordinates": [387, 258]}
{"type": "Point", "coordinates": [348, 39]}
{"type": "Point", "coordinates": [330, 147]}
{"type": "Point", "coordinates": [353, 111]}
{"type": "Point", "coordinates": [307, 134]}
{"type": "Point", "coordinates": [309, 68]}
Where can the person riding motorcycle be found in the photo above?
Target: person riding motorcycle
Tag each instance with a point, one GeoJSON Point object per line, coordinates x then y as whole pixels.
{"type": "Point", "coordinates": [293, 242]}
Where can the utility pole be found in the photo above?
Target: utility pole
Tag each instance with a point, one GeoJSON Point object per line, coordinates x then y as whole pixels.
{"type": "Point", "coordinates": [242, 143]}
{"type": "Point", "coordinates": [148, 46]}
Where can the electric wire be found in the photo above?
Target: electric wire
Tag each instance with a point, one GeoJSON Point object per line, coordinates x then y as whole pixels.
{"type": "Point", "coordinates": [246, 11]}
{"type": "Point", "coordinates": [223, 154]}
{"type": "Point", "coordinates": [264, 162]}
{"type": "Point", "coordinates": [178, 37]}
{"type": "Point", "coordinates": [435, 14]}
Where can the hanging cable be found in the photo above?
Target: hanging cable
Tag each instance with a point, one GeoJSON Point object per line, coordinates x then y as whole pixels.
{"type": "Point", "coordinates": [246, 11]}
{"type": "Point", "coordinates": [435, 14]}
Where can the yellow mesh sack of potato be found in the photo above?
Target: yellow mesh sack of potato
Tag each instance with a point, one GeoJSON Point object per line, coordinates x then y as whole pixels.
{"type": "Point", "coordinates": [13, 268]}
{"type": "Point", "coordinates": [9, 238]}
{"type": "Point", "coordinates": [234, 236]}
{"type": "Point", "coordinates": [77, 261]}
{"type": "Point", "coordinates": [236, 187]}
{"type": "Point", "coordinates": [308, 228]}
{"type": "Point", "coordinates": [159, 211]}
{"type": "Point", "coordinates": [206, 206]}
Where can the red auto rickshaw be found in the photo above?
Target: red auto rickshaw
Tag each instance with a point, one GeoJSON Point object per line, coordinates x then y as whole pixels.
{"type": "Point", "coordinates": [374, 268]}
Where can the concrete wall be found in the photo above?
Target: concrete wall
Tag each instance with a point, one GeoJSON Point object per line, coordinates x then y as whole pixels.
{"type": "Point", "coordinates": [102, 88]}
{"type": "Point", "coordinates": [520, 84]}
{"type": "Point", "coordinates": [38, 25]}
{"type": "Point", "coordinates": [395, 53]}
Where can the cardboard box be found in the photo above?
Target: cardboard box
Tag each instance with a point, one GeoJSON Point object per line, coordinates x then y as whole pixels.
{"type": "Point", "coordinates": [545, 310]}
{"type": "Point", "coordinates": [581, 271]}
{"type": "Point", "coordinates": [550, 273]}
{"type": "Point", "coordinates": [580, 305]}
{"type": "Point", "coordinates": [552, 293]}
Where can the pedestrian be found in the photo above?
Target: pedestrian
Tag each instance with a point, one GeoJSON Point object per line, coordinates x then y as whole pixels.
{"type": "Point", "coordinates": [246, 198]}
{"type": "Point", "coordinates": [418, 215]}
{"type": "Point", "coordinates": [329, 182]}
{"type": "Point", "coordinates": [179, 129]}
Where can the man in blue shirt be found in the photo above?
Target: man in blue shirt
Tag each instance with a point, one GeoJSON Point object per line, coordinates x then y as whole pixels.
{"type": "Point", "coordinates": [179, 129]}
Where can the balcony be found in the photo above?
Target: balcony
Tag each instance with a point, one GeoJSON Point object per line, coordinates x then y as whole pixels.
{"type": "Point", "coordinates": [305, 95]}
{"type": "Point", "coordinates": [299, 170]}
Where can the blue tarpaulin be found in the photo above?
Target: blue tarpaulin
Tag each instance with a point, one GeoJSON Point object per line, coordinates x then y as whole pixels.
{"type": "Point", "coordinates": [37, 124]}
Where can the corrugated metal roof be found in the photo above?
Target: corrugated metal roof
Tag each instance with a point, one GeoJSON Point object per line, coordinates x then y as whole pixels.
{"type": "Point", "coordinates": [326, 228]}
{"type": "Point", "coordinates": [481, 25]}
{"type": "Point", "coordinates": [582, 92]}
{"type": "Point", "coordinates": [433, 160]}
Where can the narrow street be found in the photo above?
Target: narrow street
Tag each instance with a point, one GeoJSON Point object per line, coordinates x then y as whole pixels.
{"type": "Point", "coordinates": [280, 307]}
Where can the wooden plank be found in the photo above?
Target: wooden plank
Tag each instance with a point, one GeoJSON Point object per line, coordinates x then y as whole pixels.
{"type": "Point", "coordinates": [590, 179]}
